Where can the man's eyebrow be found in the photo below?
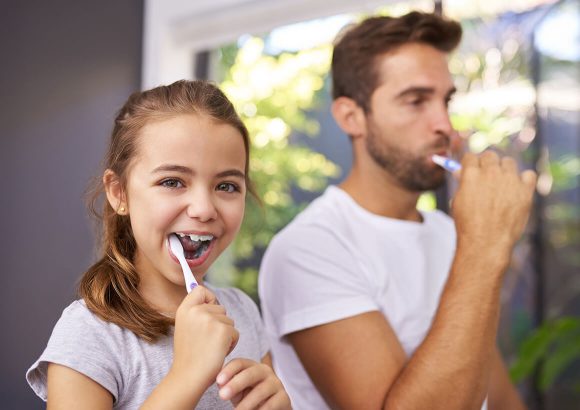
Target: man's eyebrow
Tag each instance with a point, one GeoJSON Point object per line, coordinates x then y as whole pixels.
{"type": "Point", "coordinates": [422, 90]}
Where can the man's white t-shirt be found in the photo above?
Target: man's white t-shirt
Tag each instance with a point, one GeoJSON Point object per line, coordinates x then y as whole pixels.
{"type": "Point", "coordinates": [338, 260]}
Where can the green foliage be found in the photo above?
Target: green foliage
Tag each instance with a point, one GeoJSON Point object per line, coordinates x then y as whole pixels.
{"type": "Point", "coordinates": [556, 345]}
{"type": "Point", "coordinates": [565, 172]}
{"type": "Point", "coordinates": [273, 95]}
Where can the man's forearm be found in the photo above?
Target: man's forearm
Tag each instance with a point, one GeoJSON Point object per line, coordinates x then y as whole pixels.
{"type": "Point", "coordinates": [450, 369]}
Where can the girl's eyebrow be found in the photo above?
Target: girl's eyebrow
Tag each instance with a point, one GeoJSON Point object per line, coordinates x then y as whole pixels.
{"type": "Point", "coordinates": [173, 168]}
{"type": "Point", "coordinates": [231, 173]}
{"type": "Point", "coordinates": [185, 170]}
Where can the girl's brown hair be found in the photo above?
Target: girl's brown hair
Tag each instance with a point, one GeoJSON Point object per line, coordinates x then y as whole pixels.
{"type": "Point", "coordinates": [357, 49]}
{"type": "Point", "coordinates": [109, 287]}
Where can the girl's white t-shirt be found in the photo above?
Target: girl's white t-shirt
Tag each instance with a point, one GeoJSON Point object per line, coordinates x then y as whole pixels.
{"type": "Point", "coordinates": [126, 365]}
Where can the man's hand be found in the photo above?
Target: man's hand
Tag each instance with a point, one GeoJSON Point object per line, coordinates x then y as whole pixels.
{"type": "Point", "coordinates": [492, 203]}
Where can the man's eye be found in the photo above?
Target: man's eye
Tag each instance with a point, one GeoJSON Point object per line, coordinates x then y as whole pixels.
{"type": "Point", "coordinates": [227, 187]}
{"type": "Point", "coordinates": [417, 102]}
{"type": "Point", "coordinates": [171, 183]}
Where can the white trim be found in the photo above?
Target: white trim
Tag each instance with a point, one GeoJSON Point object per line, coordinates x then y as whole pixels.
{"type": "Point", "coordinates": [174, 30]}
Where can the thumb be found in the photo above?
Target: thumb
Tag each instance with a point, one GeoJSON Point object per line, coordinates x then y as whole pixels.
{"type": "Point", "coordinates": [198, 296]}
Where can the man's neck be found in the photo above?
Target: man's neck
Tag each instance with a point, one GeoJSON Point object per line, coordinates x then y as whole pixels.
{"type": "Point", "coordinates": [380, 194]}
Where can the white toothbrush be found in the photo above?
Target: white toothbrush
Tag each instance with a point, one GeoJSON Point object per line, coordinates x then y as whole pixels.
{"type": "Point", "coordinates": [447, 163]}
{"type": "Point", "coordinates": [177, 249]}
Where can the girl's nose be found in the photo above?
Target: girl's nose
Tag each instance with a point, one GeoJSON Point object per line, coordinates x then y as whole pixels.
{"type": "Point", "coordinates": [202, 207]}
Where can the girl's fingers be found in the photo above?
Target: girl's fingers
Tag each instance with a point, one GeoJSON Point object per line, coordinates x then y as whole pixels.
{"type": "Point", "coordinates": [198, 296]}
{"type": "Point", "coordinates": [234, 367]}
{"type": "Point", "coordinates": [279, 401]}
{"type": "Point", "coordinates": [251, 385]}
{"type": "Point", "coordinates": [257, 395]}
{"type": "Point", "coordinates": [241, 380]}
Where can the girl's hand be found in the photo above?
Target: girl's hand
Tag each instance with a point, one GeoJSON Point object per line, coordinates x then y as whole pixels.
{"type": "Point", "coordinates": [204, 335]}
{"type": "Point", "coordinates": [251, 385]}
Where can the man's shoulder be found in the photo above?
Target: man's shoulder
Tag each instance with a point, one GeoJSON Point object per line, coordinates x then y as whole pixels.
{"type": "Point", "coordinates": [319, 231]}
{"type": "Point", "coordinates": [327, 210]}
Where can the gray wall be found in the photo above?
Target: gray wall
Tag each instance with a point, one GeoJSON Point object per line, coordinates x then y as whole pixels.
{"type": "Point", "coordinates": [66, 67]}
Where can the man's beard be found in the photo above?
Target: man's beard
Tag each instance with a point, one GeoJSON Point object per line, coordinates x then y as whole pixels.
{"type": "Point", "coordinates": [410, 171]}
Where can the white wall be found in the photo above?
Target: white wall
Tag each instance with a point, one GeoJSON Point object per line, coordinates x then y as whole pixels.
{"type": "Point", "coordinates": [175, 30]}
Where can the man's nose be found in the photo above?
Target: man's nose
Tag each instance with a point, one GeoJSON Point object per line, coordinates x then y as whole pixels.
{"type": "Point", "coordinates": [202, 206]}
{"type": "Point", "coordinates": [442, 121]}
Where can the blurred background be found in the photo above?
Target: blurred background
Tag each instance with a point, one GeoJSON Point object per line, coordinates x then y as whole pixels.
{"type": "Point", "coordinates": [69, 66]}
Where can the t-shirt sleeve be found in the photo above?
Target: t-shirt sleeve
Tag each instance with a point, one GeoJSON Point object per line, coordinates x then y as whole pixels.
{"type": "Point", "coordinates": [308, 277]}
{"type": "Point", "coordinates": [78, 341]}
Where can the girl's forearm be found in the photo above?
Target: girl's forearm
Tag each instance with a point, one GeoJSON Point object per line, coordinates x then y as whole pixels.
{"type": "Point", "coordinates": [174, 392]}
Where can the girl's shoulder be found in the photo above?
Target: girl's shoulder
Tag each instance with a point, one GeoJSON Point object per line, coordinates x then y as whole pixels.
{"type": "Point", "coordinates": [79, 329]}
{"type": "Point", "coordinates": [78, 317]}
{"type": "Point", "coordinates": [78, 309]}
{"type": "Point", "coordinates": [105, 352]}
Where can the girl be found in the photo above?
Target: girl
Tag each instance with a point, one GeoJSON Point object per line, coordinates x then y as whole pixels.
{"type": "Point", "coordinates": [177, 164]}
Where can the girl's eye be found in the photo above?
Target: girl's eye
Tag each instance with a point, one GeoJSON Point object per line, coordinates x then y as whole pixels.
{"type": "Point", "coordinates": [227, 187]}
{"type": "Point", "coordinates": [171, 183]}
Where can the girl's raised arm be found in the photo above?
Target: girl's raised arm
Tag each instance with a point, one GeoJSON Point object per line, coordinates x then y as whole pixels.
{"type": "Point", "coordinates": [204, 335]}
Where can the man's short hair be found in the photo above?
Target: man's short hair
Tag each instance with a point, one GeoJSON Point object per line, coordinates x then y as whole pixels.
{"type": "Point", "coordinates": [355, 71]}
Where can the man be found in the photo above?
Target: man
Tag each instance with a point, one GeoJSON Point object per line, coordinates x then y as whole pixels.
{"type": "Point", "coordinates": [369, 303]}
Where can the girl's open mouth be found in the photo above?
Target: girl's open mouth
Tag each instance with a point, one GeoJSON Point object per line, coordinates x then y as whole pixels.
{"type": "Point", "coordinates": [195, 247]}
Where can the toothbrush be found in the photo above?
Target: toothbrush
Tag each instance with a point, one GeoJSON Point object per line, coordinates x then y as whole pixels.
{"type": "Point", "coordinates": [446, 163]}
{"type": "Point", "coordinates": [177, 249]}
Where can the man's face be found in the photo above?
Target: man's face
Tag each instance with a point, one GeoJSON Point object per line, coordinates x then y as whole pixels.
{"type": "Point", "coordinates": [408, 119]}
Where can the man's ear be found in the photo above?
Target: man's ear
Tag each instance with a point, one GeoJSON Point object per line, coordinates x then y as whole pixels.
{"type": "Point", "coordinates": [115, 193]}
{"type": "Point", "coordinates": [349, 116]}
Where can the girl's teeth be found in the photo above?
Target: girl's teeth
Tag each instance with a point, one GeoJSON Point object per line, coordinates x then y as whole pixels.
{"type": "Point", "coordinates": [196, 238]}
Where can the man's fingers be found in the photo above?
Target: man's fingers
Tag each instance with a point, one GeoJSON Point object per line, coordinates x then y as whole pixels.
{"type": "Point", "coordinates": [530, 178]}
{"type": "Point", "coordinates": [509, 164]}
{"type": "Point", "coordinates": [489, 159]}
{"type": "Point", "coordinates": [470, 160]}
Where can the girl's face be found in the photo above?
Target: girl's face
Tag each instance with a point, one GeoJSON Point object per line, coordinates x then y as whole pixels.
{"type": "Point", "coordinates": [188, 179]}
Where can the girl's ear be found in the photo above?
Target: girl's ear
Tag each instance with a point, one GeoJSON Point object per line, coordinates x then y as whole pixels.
{"type": "Point", "coordinates": [115, 194]}
{"type": "Point", "coordinates": [349, 116]}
